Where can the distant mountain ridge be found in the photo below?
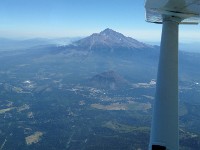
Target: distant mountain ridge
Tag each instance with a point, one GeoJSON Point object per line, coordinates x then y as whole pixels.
{"type": "Point", "coordinates": [18, 44]}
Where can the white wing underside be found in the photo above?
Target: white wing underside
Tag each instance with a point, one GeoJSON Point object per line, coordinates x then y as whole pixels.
{"type": "Point", "coordinates": [187, 10]}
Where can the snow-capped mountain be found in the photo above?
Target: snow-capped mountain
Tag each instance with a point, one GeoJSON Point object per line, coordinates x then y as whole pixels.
{"type": "Point", "coordinates": [110, 39]}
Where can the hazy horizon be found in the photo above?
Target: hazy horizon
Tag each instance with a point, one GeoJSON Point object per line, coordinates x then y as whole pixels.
{"type": "Point", "coordinates": [184, 45]}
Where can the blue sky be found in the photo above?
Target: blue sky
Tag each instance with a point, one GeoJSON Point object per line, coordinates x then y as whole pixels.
{"type": "Point", "coordinates": [71, 18]}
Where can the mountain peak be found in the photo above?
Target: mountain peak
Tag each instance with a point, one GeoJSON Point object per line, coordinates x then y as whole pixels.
{"type": "Point", "coordinates": [109, 79]}
{"type": "Point", "coordinates": [108, 31]}
{"type": "Point", "coordinates": [110, 39]}
{"type": "Point", "coordinates": [111, 34]}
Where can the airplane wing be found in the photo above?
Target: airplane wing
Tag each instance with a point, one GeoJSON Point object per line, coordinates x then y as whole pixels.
{"type": "Point", "coordinates": [188, 10]}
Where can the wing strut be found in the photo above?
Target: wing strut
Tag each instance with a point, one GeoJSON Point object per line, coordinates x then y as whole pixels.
{"type": "Point", "coordinates": [170, 13]}
{"type": "Point", "coordinates": [164, 131]}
